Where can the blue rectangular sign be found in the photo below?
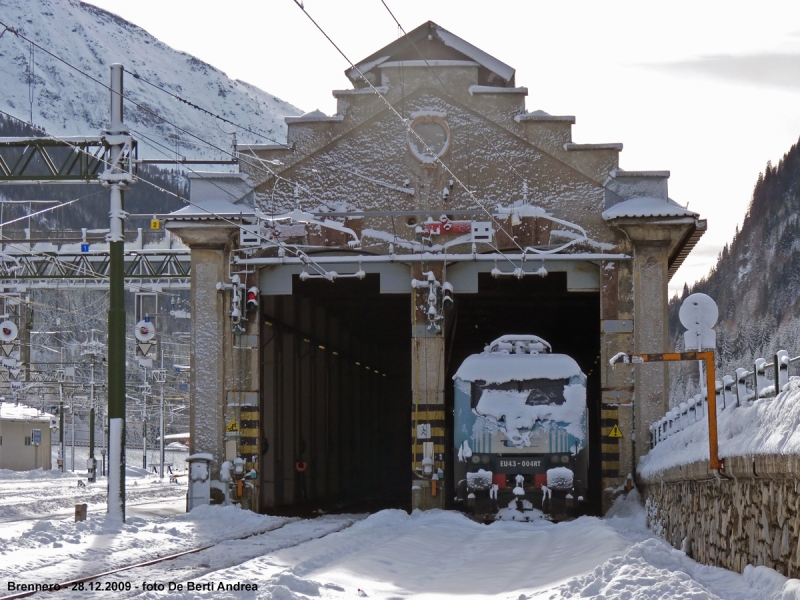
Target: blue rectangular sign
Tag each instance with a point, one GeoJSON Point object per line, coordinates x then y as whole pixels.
{"type": "Point", "coordinates": [36, 437]}
{"type": "Point", "coordinates": [84, 247]}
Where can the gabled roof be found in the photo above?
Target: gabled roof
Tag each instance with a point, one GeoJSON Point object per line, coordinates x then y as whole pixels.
{"type": "Point", "coordinates": [435, 43]}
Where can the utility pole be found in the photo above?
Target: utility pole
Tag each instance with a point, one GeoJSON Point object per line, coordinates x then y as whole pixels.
{"type": "Point", "coordinates": [162, 379]}
{"type": "Point", "coordinates": [62, 452]}
{"type": "Point", "coordinates": [72, 439]}
{"type": "Point", "coordinates": [92, 462]}
{"type": "Point", "coordinates": [116, 179]}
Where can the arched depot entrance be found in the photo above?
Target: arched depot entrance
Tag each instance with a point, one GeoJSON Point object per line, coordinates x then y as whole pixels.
{"type": "Point", "coordinates": [336, 390]}
{"type": "Point", "coordinates": [542, 306]}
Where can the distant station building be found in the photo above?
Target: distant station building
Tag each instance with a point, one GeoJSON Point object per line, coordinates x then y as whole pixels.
{"type": "Point", "coordinates": [339, 280]}
{"type": "Point", "coordinates": [21, 447]}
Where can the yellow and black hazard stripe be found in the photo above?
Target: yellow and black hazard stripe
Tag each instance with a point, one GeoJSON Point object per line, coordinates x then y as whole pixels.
{"type": "Point", "coordinates": [609, 418]}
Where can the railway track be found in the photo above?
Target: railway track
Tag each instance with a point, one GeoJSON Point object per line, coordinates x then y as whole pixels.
{"type": "Point", "coordinates": [336, 524]}
{"type": "Point", "coordinates": [56, 503]}
{"type": "Point", "coordinates": [68, 513]}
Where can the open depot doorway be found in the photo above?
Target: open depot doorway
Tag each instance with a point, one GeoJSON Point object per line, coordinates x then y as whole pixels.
{"type": "Point", "coordinates": [336, 399]}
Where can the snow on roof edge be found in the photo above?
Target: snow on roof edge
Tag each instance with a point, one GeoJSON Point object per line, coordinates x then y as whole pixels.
{"type": "Point", "coordinates": [647, 207]}
{"type": "Point", "coordinates": [487, 60]}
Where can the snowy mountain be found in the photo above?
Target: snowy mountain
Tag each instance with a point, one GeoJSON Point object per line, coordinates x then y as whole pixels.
{"type": "Point", "coordinates": [66, 102]}
{"type": "Point", "coordinates": [756, 281]}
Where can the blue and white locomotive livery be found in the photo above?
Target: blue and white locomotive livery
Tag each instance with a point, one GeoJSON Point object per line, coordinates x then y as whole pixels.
{"type": "Point", "coordinates": [520, 431]}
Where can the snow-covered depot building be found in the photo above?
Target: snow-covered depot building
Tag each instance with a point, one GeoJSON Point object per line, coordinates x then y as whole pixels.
{"type": "Point", "coordinates": [432, 214]}
{"type": "Point", "coordinates": [20, 448]}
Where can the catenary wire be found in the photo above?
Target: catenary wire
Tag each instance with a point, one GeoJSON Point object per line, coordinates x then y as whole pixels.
{"type": "Point", "coordinates": [299, 253]}
{"type": "Point", "coordinates": [409, 129]}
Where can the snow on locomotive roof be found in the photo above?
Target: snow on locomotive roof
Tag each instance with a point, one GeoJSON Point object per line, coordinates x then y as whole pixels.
{"type": "Point", "coordinates": [499, 367]}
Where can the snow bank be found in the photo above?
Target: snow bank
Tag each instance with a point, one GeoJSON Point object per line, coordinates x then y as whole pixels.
{"type": "Point", "coordinates": [652, 569]}
{"type": "Point", "coordinates": [6, 474]}
{"type": "Point", "coordinates": [766, 426]}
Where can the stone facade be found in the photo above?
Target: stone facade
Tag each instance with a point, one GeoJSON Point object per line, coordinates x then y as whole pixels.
{"type": "Point", "coordinates": [358, 185]}
{"type": "Point", "coordinates": [749, 517]}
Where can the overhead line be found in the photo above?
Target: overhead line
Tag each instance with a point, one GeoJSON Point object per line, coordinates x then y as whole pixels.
{"type": "Point", "coordinates": [435, 74]}
{"type": "Point", "coordinates": [299, 253]}
{"type": "Point", "coordinates": [300, 5]}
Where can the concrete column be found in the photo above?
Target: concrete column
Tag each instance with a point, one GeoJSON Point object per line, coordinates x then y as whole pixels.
{"type": "Point", "coordinates": [653, 242]}
{"type": "Point", "coordinates": [616, 330]}
{"type": "Point", "coordinates": [427, 384]}
{"type": "Point", "coordinates": [651, 334]}
{"type": "Point", "coordinates": [206, 419]}
{"type": "Point", "coordinates": [210, 246]}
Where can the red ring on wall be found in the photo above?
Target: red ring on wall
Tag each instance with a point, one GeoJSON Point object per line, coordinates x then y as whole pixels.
{"type": "Point", "coordinates": [301, 465]}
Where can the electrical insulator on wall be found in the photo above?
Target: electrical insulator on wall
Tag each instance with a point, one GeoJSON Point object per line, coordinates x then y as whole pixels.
{"type": "Point", "coordinates": [447, 296]}
{"type": "Point", "coordinates": [251, 303]}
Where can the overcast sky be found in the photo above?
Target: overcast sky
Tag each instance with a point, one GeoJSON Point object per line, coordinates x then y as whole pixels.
{"type": "Point", "coordinates": [707, 90]}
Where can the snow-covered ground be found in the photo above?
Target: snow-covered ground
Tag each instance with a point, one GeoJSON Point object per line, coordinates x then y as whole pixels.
{"type": "Point", "coordinates": [387, 555]}
{"type": "Point", "coordinates": [763, 426]}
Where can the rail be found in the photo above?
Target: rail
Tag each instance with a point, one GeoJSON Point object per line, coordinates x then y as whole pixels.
{"type": "Point", "coordinates": [708, 358]}
{"type": "Point", "coordinates": [731, 392]}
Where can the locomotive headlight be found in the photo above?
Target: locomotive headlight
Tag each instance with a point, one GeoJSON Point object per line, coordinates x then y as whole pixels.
{"type": "Point", "coordinates": [476, 459]}
{"type": "Point", "coordinates": [565, 459]}
{"type": "Point", "coordinates": [485, 459]}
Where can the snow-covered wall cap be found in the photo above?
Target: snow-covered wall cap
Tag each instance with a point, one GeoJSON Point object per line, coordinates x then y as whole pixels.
{"type": "Point", "coordinates": [647, 207]}
{"type": "Point", "coordinates": [315, 116]}
{"type": "Point", "coordinates": [490, 89]}
{"type": "Point", "coordinates": [540, 115]}
{"type": "Point", "coordinates": [570, 146]}
{"type": "Point", "coordinates": [495, 367]}
{"type": "Point", "coordinates": [396, 64]}
{"type": "Point", "coordinates": [19, 412]}
{"type": "Point", "coordinates": [381, 89]}
{"type": "Point", "coordinates": [619, 173]}
{"type": "Point", "coordinates": [365, 67]}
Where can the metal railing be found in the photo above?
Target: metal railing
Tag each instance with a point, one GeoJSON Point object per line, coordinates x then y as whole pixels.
{"type": "Point", "coordinates": [732, 392]}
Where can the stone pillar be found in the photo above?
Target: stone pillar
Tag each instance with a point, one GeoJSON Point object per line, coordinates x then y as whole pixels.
{"type": "Point", "coordinates": [427, 410]}
{"type": "Point", "coordinates": [210, 250]}
{"type": "Point", "coordinates": [616, 330]}
{"type": "Point", "coordinates": [206, 420]}
{"type": "Point", "coordinates": [653, 241]}
{"type": "Point", "coordinates": [651, 334]}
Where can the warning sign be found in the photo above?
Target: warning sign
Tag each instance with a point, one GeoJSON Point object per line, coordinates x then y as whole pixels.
{"type": "Point", "coordinates": [155, 224]}
{"type": "Point", "coordinates": [615, 432]}
{"type": "Point", "coordinates": [232, 426]}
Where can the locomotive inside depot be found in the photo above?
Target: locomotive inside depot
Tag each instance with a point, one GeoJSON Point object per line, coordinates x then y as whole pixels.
{"type": "Point", "coordinates": [566, 321]}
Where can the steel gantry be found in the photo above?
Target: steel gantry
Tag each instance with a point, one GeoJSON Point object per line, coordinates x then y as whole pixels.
{"type": "Point", "coordinates": [153, 269]}
{"type": "Point", "coordinates": [46, 160]}
{"type": "Point", "coordinates": [110, 160]}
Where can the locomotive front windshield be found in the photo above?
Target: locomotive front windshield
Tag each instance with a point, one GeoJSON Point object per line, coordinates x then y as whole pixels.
{"type": "Point", "coordinates": [538, 391]}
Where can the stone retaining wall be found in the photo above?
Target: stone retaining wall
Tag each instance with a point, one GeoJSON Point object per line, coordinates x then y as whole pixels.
{"type": "Point", "coordinates": [751, 515]}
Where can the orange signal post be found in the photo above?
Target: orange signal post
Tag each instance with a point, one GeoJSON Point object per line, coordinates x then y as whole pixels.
{"type": "Point", "coordinates": [711, 386]}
